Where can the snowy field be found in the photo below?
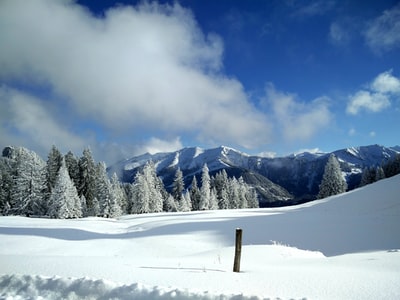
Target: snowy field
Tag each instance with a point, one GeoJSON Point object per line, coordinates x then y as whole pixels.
{"type": "Point", "coordinates": [342, 247]}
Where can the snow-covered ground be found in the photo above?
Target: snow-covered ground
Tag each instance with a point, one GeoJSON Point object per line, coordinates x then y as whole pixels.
{"type": "Point", "coordinates": [342, 247]}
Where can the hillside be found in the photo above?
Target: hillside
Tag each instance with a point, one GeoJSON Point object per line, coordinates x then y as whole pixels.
{"type": "Point", "coordinates": [278, 180]}
{"type": "Point", "coordinates": [342, 247]}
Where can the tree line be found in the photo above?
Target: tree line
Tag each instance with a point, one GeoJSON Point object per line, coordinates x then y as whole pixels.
{"type": "Point", "coordinates": [333, 182]}
{"type": "Point", "coordinates": [66, 186]}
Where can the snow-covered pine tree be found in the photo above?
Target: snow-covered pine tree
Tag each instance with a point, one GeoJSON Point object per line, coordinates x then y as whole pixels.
{"type": "Point", "coordinates": [367, 176]}
{"type": "Point", "coordinates": [140, 195]}
{"type": "Point", "coordinates": [233, 193]}
{"type": "Point", "coordinates": [195, 194]}
{"type": "Point", "coordinates": [170, 204]}
{"type": "Point", "coordinates": [87, 178]}
{"type": "Point", "coordinates": [72, 164]}
{"type": "Point", "coordinates": [103, 190]}
{"type": "Point", "coordinates": [52, 166]}
{"type": "Point", "coordinates": [155, 196]}
{"type": "Point", "coordinates": [205, 190]}
{"type": "Point", "coordinates": [119, 196]}
{"type": "Point", "coordinates": [7, 167]}
{"type": "Point", "coordinates": [178, 186]}
{"type": "Point", "coordinates": [83, 206]}
{"type": "Point", "coordinates": [242, 193]}
{"type": "Point", "coordinates": [213, 205]}
{"type": "Point", "coordinates": [29, 184]}
{"type": "Point", "coordinates": [252, 198]}
{"type": "Point", "coordinates": [221, 184]}
{"type": "Point", "coordinates": [332, 181]}
{"type": "Point", "coordinates": [186, 204]}
{"type": "Point", "coordinates": [64, 197]}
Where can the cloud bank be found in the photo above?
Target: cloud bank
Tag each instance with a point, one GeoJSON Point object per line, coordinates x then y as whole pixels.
{"type": "Point", "coordinates": [144, 68]}
{"type": "Point", "coordinates": [377, 95]}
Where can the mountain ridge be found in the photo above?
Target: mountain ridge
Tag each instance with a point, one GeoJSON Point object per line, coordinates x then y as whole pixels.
{"type": "Point", "coordinates": [288, 179]}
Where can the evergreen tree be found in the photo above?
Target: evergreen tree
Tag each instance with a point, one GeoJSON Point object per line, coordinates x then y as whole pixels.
{"type": "Point", "coordinates": [379, 173]}
{"type": "Point", "coordinates": [205, 190]}
{"type": "Point", "coordinates": [87, 176]}
{"type": "Point", "coordinates": [103, 190]}
{"type": "Point", "coordinates": [155, 196]}
{"type": "Point", "coordinates": [252, 198]}
{"type": "Point", "coordinates": [186, 204]}
{"type": "Point", "coordinates": [221, 185]}
{"type": "Point", "coordinates": [54, 161]}
{"type": "Point", "coordinates": [233, 193]}
{"type": "Point", "coordinates": [28, 184]}
{"type": "Point", "coordinates": [119, 206]}
{"type": "Point", "coordinates": [178, 186]}
{"type": "Point", "coordinates": [242, 191]}
{"type": "Point", "coordinates": [7, 167]}
{"type": "Point", "coordinates": [170, 204]}
{"type": "Point", "coordinates": [195, 194]}
{"type": "Point", "coordinates": [140, 195]}
{"type": "Point", "coordinates": [332, 181]}
{"type": "Point", "coordinates": [213, 204]}
{"type": "Point", "coordinates": [64, 199]}
{"type": "Point", "coordinates": [72, 164]}
{"type": "Point", "coordinates": [367, 176]}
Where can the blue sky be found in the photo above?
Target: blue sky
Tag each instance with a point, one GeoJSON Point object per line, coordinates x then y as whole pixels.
{"type": "Point", "coordinates": [264, 77]}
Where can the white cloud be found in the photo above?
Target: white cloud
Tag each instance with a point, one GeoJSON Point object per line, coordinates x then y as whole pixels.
{"type": "Point", "coordinates": [372, 134]}
{"type": "Point", "coordinates": [374, 102]}
{"type": "Point", "coordinates": [156, 145]}
{"type": "Point", "coordinates": [267, 154]}
{"type": "Point", "coordinates": [27, 119]}
{"type": "Point", "coordinates": [138, 69]}
{"type": "Point", "coordinates": [298, 120]}
{"type": "Point", "coordinates": [386, 83]}
{"type": "Point", "coordinates": [383, 33]}
{"type": "Point", "coordinates": [377, 95]}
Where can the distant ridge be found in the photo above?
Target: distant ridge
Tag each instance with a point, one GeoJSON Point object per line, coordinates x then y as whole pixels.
{"type": "Point", "coordinates": [279, 181]}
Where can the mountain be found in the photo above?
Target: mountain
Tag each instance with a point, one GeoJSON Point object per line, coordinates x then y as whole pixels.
{"type": "Point", "coordinates": [279, 181]}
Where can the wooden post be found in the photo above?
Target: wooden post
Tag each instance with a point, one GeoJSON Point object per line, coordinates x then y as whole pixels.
{"type": "Point", "coordinates": [238, 250]}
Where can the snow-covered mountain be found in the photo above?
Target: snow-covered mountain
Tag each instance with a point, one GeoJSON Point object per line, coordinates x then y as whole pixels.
{"type": "Point", "coordinates": [292, 178]}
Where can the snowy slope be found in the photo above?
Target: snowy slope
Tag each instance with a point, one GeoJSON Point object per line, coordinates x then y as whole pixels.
{"type": "Point", "coordinates": [342, 247]}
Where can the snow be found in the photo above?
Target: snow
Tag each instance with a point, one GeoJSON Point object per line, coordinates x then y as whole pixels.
{"type": "Point", "coordinates": [342, 247]}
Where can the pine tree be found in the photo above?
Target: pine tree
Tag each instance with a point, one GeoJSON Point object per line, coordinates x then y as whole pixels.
{"type": "Point", "coordinates": [155, 196]}
{"type": "Point", "coordinates": [252, 198]}
{"type": "Point", "coordinates": [186, 204]}
{"type": "Point", "coordinates": [54, 161]}
{"type": "Point", "coordinates": [195, 194]}
{"type": "Point", "coordinates": [178, 186]}
{"type": "Point", "coordinates": [28, 184]}
{"type": "Point", "coordinates": [242, 193]}
{"type": "Point", "coordinates": [64, 199]}
{"type": "Point", "coordinates": [119, 201]}
{"type": "Point", "coordinates": [332, 181]}
{"type": "Point", "coordinates": [7, 167]}
{"type": "Point", "coordinates": [103, 190]}
{"type": "Point", "coordinates": [205, 190]}
{"type": "Point", "coordinates": [72, 164]}
{"type": "Point", "coordinates": [379, 173]}
{"type": "Point", "coordinates": [233, 193]}
{"type": "Point", "coordinates": [140, 195]}
{"type": "Point", "coordinates": [87, 178]}
{"type": "Point", "coordinates": [221, 183]}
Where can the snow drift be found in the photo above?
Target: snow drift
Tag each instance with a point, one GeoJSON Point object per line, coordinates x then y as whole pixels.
{"type": "Point", "coordinates": [342, 247]}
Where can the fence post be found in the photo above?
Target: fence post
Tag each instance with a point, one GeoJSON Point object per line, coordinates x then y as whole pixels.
{"type": "Point", "coordinates": [238, 250]}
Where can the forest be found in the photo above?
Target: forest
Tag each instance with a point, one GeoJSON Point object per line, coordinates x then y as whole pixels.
{"type": "Point", "coordinates": [67, 186]}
